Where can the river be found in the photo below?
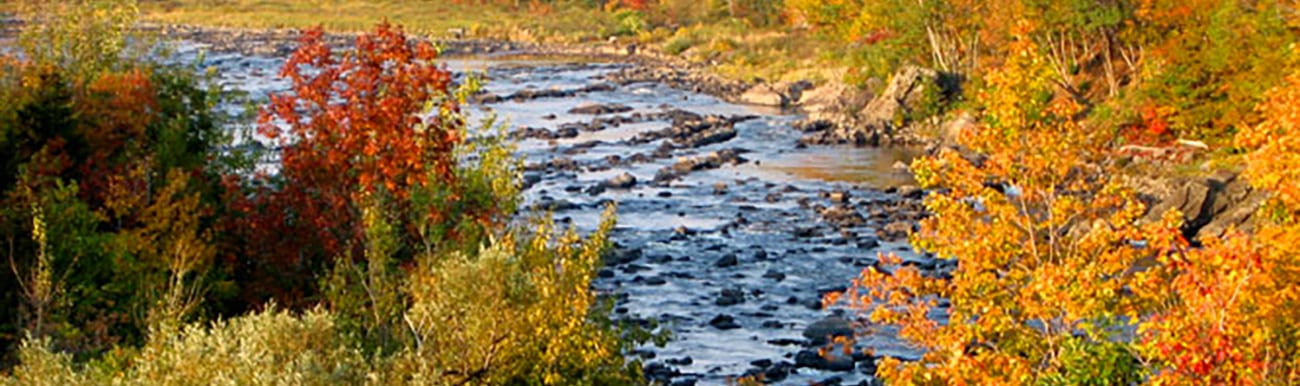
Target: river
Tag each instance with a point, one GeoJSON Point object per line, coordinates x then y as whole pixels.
{"type": "Point", "coordinates": [730, 233]}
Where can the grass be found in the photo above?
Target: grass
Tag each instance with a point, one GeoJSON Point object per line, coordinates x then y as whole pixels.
{"type": "Point", "coordinates": [732, 48]}
{"type": "Point", "coordinates": [429, 18]}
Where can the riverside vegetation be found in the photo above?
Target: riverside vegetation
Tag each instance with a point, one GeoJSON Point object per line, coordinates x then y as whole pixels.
{"type": "Point", "coordinates": [143, 248]}
{"type": "Point", "coordinates": [1063, 277]}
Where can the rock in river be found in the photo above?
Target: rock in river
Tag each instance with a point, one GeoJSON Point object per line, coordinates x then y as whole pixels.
{"type": "Point", "coordinates": [724, 322]}
{"type": "Point", "coordinates": [821, 332]}
{"type": "Point", "coordinates": [599, 109]}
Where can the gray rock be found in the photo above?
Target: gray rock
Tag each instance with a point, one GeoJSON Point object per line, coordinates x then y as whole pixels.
{"type": "Point", "coordinates": [1210, 205]}
{"type": "Point", "coordinates": [833, 361]}
{"type": "Point", "coordinates": [896, 230]}
{"type": "Point", "coordinates": [763, 95]}
{"type": "Point", "coordinates": [822, 331]}
{"type": "Point", "coordinates": [724, 322]}
{"type": "Point", "coordinates": [883, 121]}
{"type": "Point", "coordinates": [730, 297]}
{"type": "Point", "coordinates": [729, 260]}
{"type": "Point", "coordinates": [621, 181]}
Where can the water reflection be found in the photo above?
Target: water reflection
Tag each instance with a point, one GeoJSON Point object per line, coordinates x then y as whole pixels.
{"type": "Point", "coordinates": [871, 167]}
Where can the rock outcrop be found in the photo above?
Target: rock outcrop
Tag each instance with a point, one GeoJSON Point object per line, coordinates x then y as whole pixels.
{"type": "Point", "coordinates": [884, 120]}
{"type": "Point", "coordinates": [1210, 205]}
{"type": "Point", "coordinates": [784, 94]}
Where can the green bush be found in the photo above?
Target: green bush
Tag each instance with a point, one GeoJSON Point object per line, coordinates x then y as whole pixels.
{"type": "Point", "coordinates": [516, 312]}
{"type": "Point", "coordinates": [679, 43]}
{"type": "Point", "coordinates": [630, 22]}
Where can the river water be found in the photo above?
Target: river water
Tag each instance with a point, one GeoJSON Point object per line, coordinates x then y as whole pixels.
{"type": "Point", "coordinates": [743, 241]}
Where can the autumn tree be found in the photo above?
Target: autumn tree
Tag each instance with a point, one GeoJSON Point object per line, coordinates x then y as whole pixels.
{"type": "Point", "coordinates": [1046, 238]}
{"type": "Point", "coordinates": [1228, 311]}
{"type": "Point", "coordinates": [105, 157]}
{"type": "Point", "coordinates": [377, 124]}
{"type": "Point", "coordinates": [1208, 62]}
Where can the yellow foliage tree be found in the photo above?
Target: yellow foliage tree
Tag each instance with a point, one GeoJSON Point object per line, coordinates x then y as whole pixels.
{"type": "Point", "coordinates": [1047, 240]}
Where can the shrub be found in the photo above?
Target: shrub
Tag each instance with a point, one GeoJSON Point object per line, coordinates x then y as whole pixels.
{"type": "Point", "coordinates": [268, 347]}
{"type": "Point", "coordinates": [517, 312]}
{"type": "Point", "coordinates": [379, 121]}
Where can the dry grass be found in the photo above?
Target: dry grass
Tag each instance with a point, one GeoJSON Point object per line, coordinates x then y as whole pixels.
{"type": "Point", "coordinates": [430, 18]}
{"type": "Point", "coordinates": [733, 50]}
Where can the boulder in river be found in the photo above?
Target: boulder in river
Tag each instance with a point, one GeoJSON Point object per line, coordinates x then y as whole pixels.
{"type": "Point", "coordinates": [712, 160]}
{"type": "Point", "coordinates": [724, 322]}
{"type": "Point", "coordinates": [621, 181]}
{"type": "Point", "coordinates": [728, 260]}
{"type": "Point", "coordinates": [835, 360]}
{"type": "Point", "coordinates": [730, 297]}
{"type": "Point", "coordinates": [823, 331]}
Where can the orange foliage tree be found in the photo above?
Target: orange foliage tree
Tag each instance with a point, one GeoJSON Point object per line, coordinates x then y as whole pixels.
{"type": "Point", "coordinates": [1230, 309]}
{"type": "Point", "coordinates": [1047, 240]}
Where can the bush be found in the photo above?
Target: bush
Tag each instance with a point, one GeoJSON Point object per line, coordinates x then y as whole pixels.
{"type": "Point", "coordinates": [1228, 311]}
{"type": "Point", "coordinates": [1062, 279]}
{"type": "Point", "coordinates": [680, 42]}
{"type": "Point", "coordinates": [516, 312]}
{"type": "Point", "coordinates": [267, 347]}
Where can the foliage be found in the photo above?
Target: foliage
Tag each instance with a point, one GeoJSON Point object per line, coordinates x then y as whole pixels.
{"type": "Point", "coordinates": [1274, 151]}
{"type": "Point", "coordinates": [346, 133]}
{"type": "Point", "coordinates": [512, 311]}
{"type": "Point", "coordinates": [109, 153]}
{"type": "Point", "coordinates": [1209, 62]}
{"type": "Point", "coordinates": [268, 347]}
{"type": "Point", "coordinates": [1130, 57]}
{"type": "Point", "coordinates": [133, 239]}
{"type": "Point", "coordinates": [1046, 238]}
{"type": "Point", "coordinates": [630, 22]}
{"type": "Point", "coordinates": [516, 312]}
{"type": "Point", "coordinates": [1229, 309]}
{"type": "Point", "coordinates": [949, 35]}
{"type": "Point", "coordinates": [1060, 281]}
{"type": "Point", "coordinates": [83, 36]}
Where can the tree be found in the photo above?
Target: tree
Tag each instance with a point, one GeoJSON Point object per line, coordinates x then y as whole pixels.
{"type": "Point", "coordinates": [376, 122]}
{"type": "Point", "coordinates": [1229, 310]}
{"type": "Point", "coordinates": [1046, 238]}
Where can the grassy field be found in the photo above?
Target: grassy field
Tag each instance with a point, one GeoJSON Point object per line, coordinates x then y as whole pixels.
{"type": "Point", "coordinates": [431, 18]}
{"type": "Point", "coordinates": [733, 48]}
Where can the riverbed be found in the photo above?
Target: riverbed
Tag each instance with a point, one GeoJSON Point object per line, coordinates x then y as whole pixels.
{"type": "Point", "coordinates": [729, 232]}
